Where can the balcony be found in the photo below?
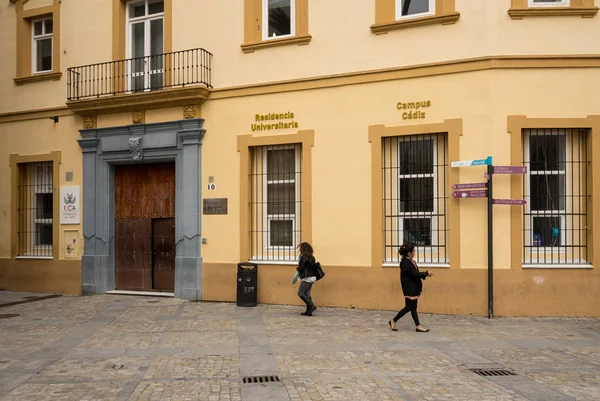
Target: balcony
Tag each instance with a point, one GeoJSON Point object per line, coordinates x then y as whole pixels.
{"type": "Point", "coordinates": [160, 80]}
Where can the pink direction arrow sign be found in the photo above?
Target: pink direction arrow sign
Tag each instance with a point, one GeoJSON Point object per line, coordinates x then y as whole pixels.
{"type": "Point", "coordinates": [470, 186]}
{"type": "Point", "coordinates": [469, 194]}
{"type": "Point", "coordinates": [509, 201]}
{"type": "Point", "coordinates": [510, 169]}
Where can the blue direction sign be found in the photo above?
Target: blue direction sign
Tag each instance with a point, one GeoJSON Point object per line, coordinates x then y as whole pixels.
{"type": "Point", "coordinates": [476, 162]}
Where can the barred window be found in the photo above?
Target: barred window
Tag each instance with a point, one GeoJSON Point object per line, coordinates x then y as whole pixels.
{"type": "Point", "coordinates": [555, 217]}
{"type": "Point", "coordinates": [275, 202]}
{"type": "Point", "coordinates": [35, 209]}
{"type": "Point", "coordinates": [414, 196]}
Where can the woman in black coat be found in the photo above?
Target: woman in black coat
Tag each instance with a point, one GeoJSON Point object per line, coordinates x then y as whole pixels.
{"type": "Point", "coordinates": [412, 285]}
{"type": "Point", "coordinates": [308, 275]}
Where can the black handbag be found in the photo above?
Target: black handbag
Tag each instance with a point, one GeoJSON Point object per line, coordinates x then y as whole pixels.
{"type": "Point", "coordinates": [319, 273]}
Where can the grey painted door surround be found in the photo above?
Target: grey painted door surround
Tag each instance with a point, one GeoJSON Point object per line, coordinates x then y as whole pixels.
{"type": "Point", "coordinates": [103, 149]}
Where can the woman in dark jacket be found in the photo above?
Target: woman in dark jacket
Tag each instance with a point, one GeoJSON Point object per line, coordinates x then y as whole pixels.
{"type": "Point", "coordinates": [412, 285]}
{"type": "Point", "coordinates": [306, 268]}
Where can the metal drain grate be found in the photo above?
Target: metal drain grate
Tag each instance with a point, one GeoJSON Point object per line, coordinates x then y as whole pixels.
{"type": "Point", "coordinates": [260, 379]}
{"type": "Point", "coordinates": [8, 315]}
{"type": "Point", "coordinates": [493, 372]}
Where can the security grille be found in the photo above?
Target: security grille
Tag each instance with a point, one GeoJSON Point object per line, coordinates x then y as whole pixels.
{"type": "Point", "coordinates": [35, 209]}
{"type": "Point", "coordinates": [414, 196]}
{"type": "Point", "coordinates": [555, 220]}
{"type": "Point", "coordinates": [275, 202]}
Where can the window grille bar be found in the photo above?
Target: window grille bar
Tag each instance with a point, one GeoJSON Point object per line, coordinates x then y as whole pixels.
{"type": "Point", "coordinates": [555, 217]}
{"type": "Point", "coordinates": [35, 209]}
{"type": "Point", "coordinates": [414, 173]}
{"type": "Point", "coordinates": [275, 202]}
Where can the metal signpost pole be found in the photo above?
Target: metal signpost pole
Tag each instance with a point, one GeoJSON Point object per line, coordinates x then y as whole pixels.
{"type": "Point", "coordinates": [476, 190]}
{"type": "Point", "coordinates": [490, 201]}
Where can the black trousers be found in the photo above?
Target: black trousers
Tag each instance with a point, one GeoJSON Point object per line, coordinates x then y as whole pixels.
{"type": "Point", "coordinates": [411, 306]}
{"type": "Point", "coordinates": [304, 293]}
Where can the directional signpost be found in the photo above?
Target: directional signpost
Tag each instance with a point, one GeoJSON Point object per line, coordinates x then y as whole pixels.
{"type": "Point", "coordinates": [510, 170]}
{"type": "Point", "coordinates": [481, 193]}
{"type": "Point", "coordinates": [509, 201]}
{"type": "Point", "coordinates": [477, 162]}
{"type": "Point", "coordinates": [470, 186]}
{"type": "Point", "coordinates": [482, 190]}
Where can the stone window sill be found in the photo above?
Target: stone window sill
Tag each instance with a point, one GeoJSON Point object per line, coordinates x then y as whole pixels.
{"type": "Point", "coordinates": [446, 19]}
{"type": "Point", "coordinates": [34, 258]}
{"type": "Point", "coordinates": [47, 76]}
{"type": "Point", "coordinates": [293, 40]}
{"type": "Point", "coordinates": [275, 262]}
{"type": "Point", "coordinates": [583, 12]}
{"type": "Point", "coordinates": [558, 266]}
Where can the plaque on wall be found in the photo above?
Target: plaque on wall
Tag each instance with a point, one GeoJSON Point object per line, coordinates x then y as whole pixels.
{"type": "Point", "coordinates": [215, 206]}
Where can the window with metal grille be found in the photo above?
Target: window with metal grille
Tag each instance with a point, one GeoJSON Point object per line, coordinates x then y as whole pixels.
{"type": "Point", "coordinates": [35, 209]}
{"type": "Point", "coordinates": [555, 221]}
{"type": "Point", "coordinates": [275, 202]}
{"type": "Point", "coordinates": [414, 196]}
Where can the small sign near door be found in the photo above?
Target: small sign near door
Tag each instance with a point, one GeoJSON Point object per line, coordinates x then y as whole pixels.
{"type": "Point", "coordinates": [214, 206]}
{"type": "Point", "coordinates": [69, 205]}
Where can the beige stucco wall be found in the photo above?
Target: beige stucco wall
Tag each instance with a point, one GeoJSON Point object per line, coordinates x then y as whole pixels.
{"type": "Point", "coordinates": [39, 137]}
{"type": "Point", "coordinates": [342, 42]}
{"type": "Point", "coordinates": [340, 118]}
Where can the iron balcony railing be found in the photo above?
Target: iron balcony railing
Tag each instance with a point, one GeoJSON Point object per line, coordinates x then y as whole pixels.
{"type": "Point", "coordinates": [140, 74]}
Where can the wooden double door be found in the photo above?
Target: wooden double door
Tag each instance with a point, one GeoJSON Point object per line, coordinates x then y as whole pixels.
{"type": "Point", "coordinates": [145, 227]}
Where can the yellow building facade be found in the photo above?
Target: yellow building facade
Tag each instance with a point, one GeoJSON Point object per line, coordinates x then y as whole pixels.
{"type": "Point", "coordinates": [153, 145]}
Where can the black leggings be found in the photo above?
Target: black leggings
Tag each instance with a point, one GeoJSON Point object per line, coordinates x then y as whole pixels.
{"type": "Point", "coordinates": [411, 306]}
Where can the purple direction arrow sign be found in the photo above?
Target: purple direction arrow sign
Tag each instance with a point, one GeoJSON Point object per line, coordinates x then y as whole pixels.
{"type": "Point", "coordinates": [474, 185]}
{"type": "Point", "coordinates": [469, 194]}
{"type": "Point", "coordinates": [509, 201]}
{"type": "Point", "coordinates": [510, 169]}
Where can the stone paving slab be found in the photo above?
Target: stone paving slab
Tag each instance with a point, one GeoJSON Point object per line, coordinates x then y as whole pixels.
{"type": "Point", "coordinates": [121, 348]}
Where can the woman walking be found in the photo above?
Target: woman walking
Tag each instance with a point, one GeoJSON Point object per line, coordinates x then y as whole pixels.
{"type": "Point", "coordinates": [306, 268]}
{"type": "Point", "coordinates": [410, 279]}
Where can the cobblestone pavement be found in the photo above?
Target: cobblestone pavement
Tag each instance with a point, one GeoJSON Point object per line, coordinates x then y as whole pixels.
{"type": "Point", "coordinates": [140, 348]}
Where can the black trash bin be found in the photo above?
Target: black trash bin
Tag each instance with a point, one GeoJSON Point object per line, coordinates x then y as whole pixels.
{"type": "Point", "coordinates": [247, 280]}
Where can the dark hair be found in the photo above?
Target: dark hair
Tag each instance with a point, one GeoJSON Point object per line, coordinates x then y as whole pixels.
{"type": "Point", "coordinates": [306, 249]}
{"type": "Point", "coordinates": [405, 249]}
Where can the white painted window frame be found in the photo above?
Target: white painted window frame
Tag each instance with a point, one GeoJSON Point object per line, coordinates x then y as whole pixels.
{"type": "Point", "coordinates": [265, 18]}
{"type": "Point", "coordinates": [564, 240]}
{"type": "Point", "coordinates": [563, 3]}
{"type": "Point", "coordinates": [42, 174]}
{"type": "Point", "coordinates": [421, 250]}
{"type": "Point", "coordinates": [400, 17]}
{"type": "Point", "coordinates": [146, 20]}
{"type": "Point", "coordinates": [267, 218]}
{"type": "Point", "coordinates": [35, 38]}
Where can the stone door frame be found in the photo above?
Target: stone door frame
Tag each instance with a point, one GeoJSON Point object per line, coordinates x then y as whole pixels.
{"type": "Point", "coordinates": [102, 150]}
